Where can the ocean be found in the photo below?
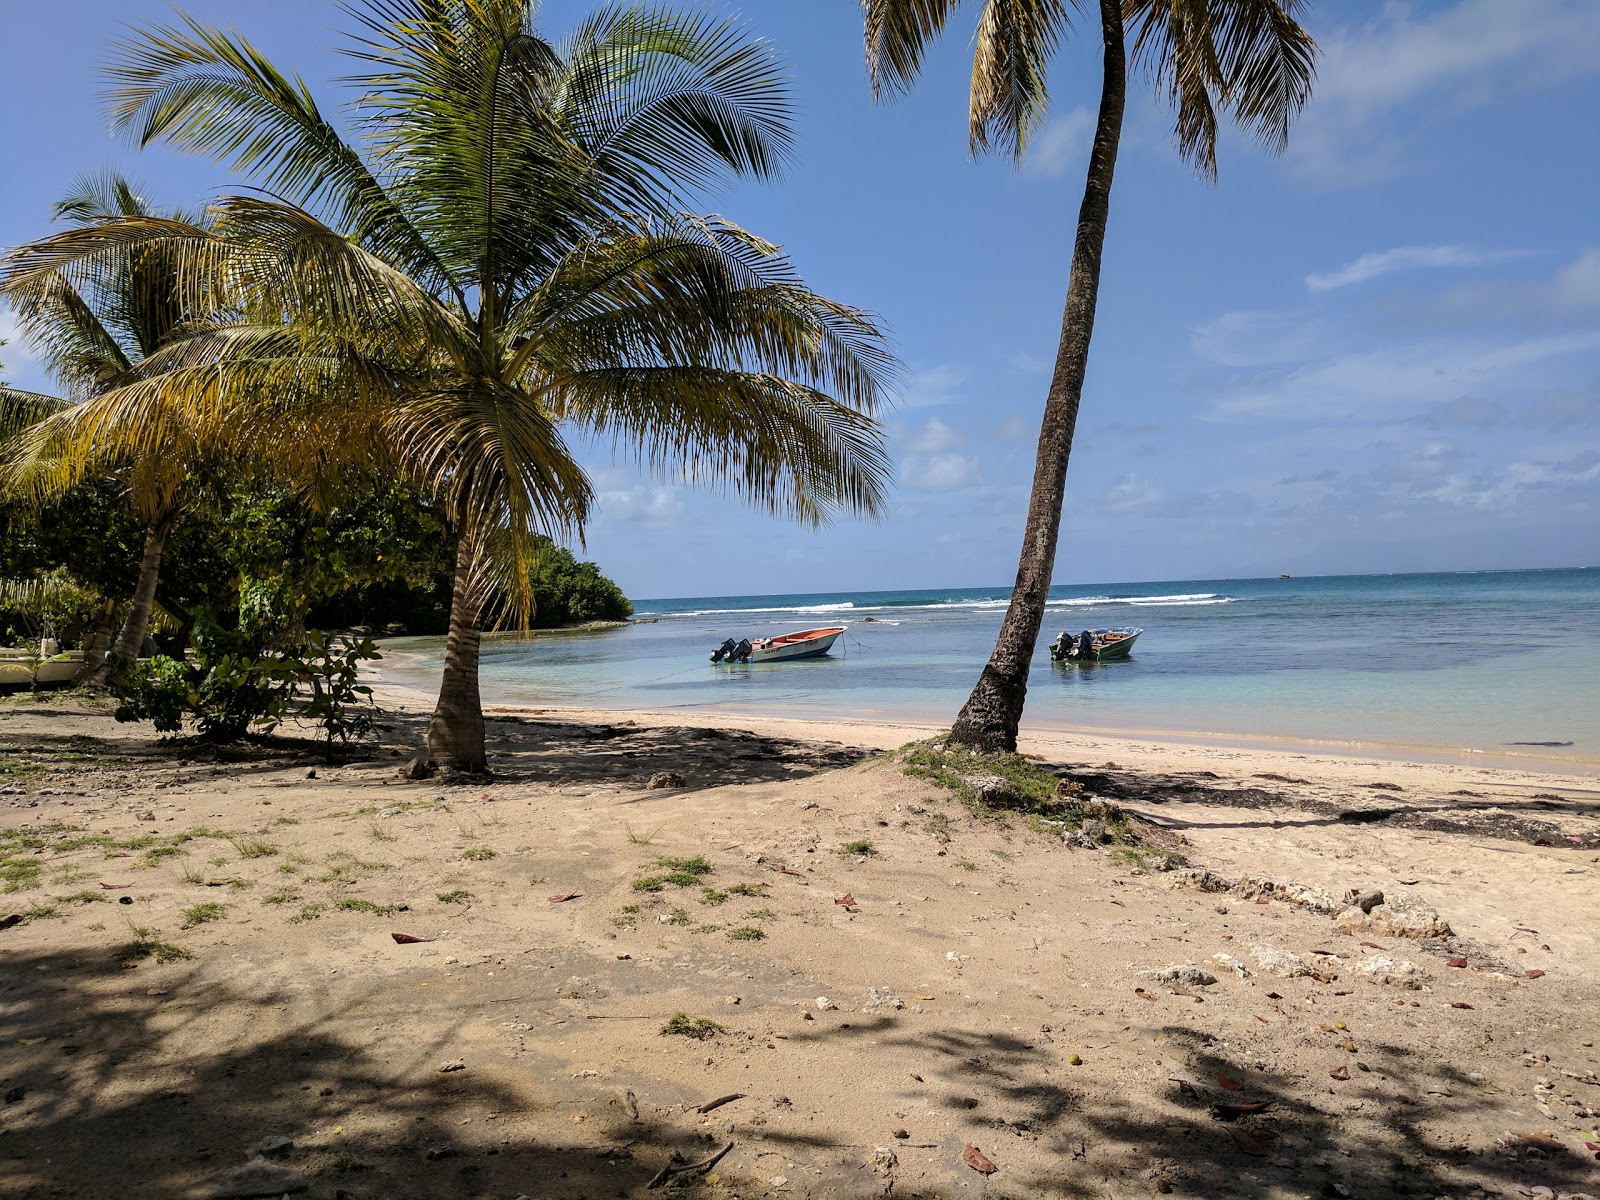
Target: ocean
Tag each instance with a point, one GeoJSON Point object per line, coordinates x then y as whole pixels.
{"type": "Point", "coordinates": [1499, 663]}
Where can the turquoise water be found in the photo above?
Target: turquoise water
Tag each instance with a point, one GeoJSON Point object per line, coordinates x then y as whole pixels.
{"type": "Point", "coordinates": [1464, 663]}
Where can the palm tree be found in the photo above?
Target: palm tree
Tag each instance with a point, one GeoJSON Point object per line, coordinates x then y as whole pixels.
{"type": "Point", "coordinates": [102, 320]}
{"type": "Point", "coordinates": [1247, 58]}
{"type": "Point", "coordinates": [509, 257]}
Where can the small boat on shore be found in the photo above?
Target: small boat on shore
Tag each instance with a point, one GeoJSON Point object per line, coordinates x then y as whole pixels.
{"type": "Point", "coordinates": [803, 643]}
{"type": "Point", "coordinates": [1093, 645]}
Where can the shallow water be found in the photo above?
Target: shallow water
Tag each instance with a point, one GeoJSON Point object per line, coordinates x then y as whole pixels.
{"type": "Point", "coordinates": [1466, 663]}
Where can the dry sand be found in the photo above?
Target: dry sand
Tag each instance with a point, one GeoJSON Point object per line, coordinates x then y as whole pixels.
{"type": "Point", "coordinates": [1027, 1029]}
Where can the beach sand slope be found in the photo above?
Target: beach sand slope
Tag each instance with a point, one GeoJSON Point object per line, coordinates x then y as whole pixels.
{"type": "Point", "coordinates": [897, 995]}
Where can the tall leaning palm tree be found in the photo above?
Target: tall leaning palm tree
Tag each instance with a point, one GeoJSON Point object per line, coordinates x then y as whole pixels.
{"type": "Point", "coordinates": [1249, 59]}
{"type": "Point", "coordinates": [103, 321]}
{"type": "Point", "coordinates": [508, 257]}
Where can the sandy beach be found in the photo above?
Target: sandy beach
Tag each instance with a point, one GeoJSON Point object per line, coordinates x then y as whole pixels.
{"type": "Point", "coordinates": [206, 994]}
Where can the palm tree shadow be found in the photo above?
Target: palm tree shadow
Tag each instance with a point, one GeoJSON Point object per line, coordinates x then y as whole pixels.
{"type": "Point", "coordinates": [1185, 1139]}
{"type": "Point", "coordinates": [110, 1094]}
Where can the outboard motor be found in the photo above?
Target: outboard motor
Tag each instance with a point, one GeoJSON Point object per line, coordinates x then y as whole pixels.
{"type": "Point", "coordinates": [741, 652]}
{"type": "Point", "coordinates": [1058, 648]}
{"type": "Point", "coordinates": [722, 651]}
{"type": "Point", "coordinates": [1086, 644]}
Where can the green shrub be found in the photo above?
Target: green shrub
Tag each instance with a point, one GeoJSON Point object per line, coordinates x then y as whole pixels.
{"type": "Point", "coordinates": [230, 689]}
{"type": "Point", "coordinates": [698, 1028]}
{"type": "Point", "coordinates": [237, 685]}
{"type": "Point", "coordinates": [335, 700]}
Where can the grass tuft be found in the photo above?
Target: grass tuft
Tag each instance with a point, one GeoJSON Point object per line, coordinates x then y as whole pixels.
{"type": "Point", "coordinates": [1028, 788]}
{"type": "Point", "coordinates": [253, 847]}
{"type": "Point", "coordinates": [478, 854]}
{"type": "Point", "coordinates": [861, 846]}
{"type": "Point", "coordinates": [357, 904]}
{"type": "Point", "coordinates": [458, 896]}
{"type": "Point", "coordinates": [18, 874]}
{"type": "Point", "coordinates": [145, 944]}
{"type": "Point", "coordinates": [199, 914]}
{"type": "Point", "coordinates": [747, 933]}
{"type": "Point", "coordinates": [698, 1028]}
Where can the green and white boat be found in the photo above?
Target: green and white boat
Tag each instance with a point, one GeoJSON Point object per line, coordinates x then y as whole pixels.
{"type": "Point", "coordinates": [1093, 645]}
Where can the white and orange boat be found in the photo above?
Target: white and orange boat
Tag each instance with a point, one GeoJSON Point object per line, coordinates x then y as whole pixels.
{"type": "Point", "coordinates": [803, 643]}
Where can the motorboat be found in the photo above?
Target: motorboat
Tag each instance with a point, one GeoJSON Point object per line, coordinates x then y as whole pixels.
{"type": "Point", "coordinates": [803, 643]}
{"type": "Point", "coordinates": [1093, 645]}
{"type": "Point", "coordinates": [25, 668]}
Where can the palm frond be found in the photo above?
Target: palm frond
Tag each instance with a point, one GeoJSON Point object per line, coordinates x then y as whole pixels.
{"type": "Point", "coordinates": [20, 409]}
{"type": "Point", "coordinates": [98, 195]}
{"type": "Point", "coordinates": [207, 91]}
{"type": "Point", "coordinates": [283, 265]}
{"type": "Point", "coordinates": [667, 103]}
{"type": "Point", "coordinates": [791, 450]}
{"type": "Point", "coordinates": [1010, 61]}
{"type": "Point", "coordinates": [99, 297]}
{"type": "Point", "coordinates": [1249, 58]}
{"type": "Point", "coordinates": [898, 33]}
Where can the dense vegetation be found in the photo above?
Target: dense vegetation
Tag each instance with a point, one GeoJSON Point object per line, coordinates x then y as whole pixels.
{"type": "Point", "coordinates": [379, 560]}
{"type": "Point", "coordinates": [345, 394]}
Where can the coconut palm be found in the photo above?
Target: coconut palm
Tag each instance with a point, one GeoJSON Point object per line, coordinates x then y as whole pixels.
{"type": "Point", "coordinates": [507, 257]}
{"type": "Point", "coordinates": [1248, 59]}
{"type": "Point", "coordinates": [102, 321]}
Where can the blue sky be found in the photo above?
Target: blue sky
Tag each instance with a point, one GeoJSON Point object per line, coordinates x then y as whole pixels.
{"type": "Point", "coordinates": [1379, 352]}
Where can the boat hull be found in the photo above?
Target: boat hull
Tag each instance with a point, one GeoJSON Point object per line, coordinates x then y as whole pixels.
{"type": "Point", "coordinates": [1110, 645]}
{"type": "Point", "coordinates": [808, 643]}
{"type": "Point", "coordinates": [18, 671]}
{"type": "Point", "coordinates": [792, 647]}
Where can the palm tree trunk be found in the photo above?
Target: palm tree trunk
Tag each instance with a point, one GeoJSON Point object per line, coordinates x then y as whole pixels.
{"type": "Point", "coordinates": [98, 640]}
{"type": "Point", "coordinates": [131, 637]}
{"type": "Point", "coordinates": [989, 719]}
{"type": "Point", "coordinates": [455, 734]}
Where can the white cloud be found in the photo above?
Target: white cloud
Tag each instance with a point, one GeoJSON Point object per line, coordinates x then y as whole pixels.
{"type": "Point", "coordinates": [1457, 58]}
{"type": "Point", "coordinates": [1393, 383]}
{"type": "Point", "coordinates": [19, 365]}
{"type": "Point", "coordinates": [932, 387]}
{"type": "Point", "coordinates": [1061, 144]}
{"type": "Point", "coordinates": [1252, 339]}
{"type": "Point", "coordinates": [944, 473]}
{"type": "Point", "coordinates": [1133, 496]}
{"type": "Point", "coordinates": [1505, 487]}
{"type": "Point", "coordinates": [654, 507]}
{"type": "Point", "coordinates": [1012, 429]}
{"type": "Point", "coordinates": [935, 437]}
{"type": "Point", "coordinates": [1403, 258]}
{"type": "Point", "coordinates": [1576, 287]}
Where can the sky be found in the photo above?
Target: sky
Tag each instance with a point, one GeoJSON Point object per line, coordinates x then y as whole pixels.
{"type": "Point", "coordinates": [1378, 352]}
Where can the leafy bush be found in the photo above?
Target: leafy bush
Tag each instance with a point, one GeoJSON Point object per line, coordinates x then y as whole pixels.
{"type": "Point", "coordinates": [234, 685]}
{"type": "Point", "coordinates": [229, 688]}
{"type": "Point", "coordinates": [336, 700]}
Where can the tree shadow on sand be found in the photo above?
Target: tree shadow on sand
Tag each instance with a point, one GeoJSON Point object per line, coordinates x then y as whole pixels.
{"type": "Point", "coordinates": [531, 749]}
{"type": "Point", "coordinates": [111, 1093]}
{"type": "Point", "coordinates": [1467, 813]}
{"type": "Point", "coordinates": [1184, 1133]}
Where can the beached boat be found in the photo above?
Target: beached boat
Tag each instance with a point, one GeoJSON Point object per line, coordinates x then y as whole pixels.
{"type": "Point", "coordinates": [23, 668]}
{"type": "Point", "coordinates": [804, 643]}
{"type": "Point", "coordinates": [1093, 645]}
